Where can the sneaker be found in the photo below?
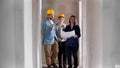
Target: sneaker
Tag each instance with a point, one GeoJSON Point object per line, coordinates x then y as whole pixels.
{"type": "Point", "coordinates": [54, 65]}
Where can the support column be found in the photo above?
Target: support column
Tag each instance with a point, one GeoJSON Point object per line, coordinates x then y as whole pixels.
{"type": "Point", "coordinates": [94, 33]}
{"type": "Point", "coordinates": [28, 34]}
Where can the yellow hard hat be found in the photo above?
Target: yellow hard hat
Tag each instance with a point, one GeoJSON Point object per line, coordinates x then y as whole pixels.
{"type": "Point", "coordinates": [61, 15]}
{"type": "Point", "coordinates": [50, 11]}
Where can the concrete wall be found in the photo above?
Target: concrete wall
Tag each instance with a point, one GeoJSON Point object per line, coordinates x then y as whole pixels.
{"type": "Point", "coordinates": [13, 19]}
{"type": "Point", "coordinates": [7, 34]}
{"type": "Point", "coordinates": [35, 23]}
{"type": "Point", "coordinates": [19, 34]}
{"type": "Point", "coordinates": [94, 33]}
{"type": "Point", "coordinates": [103, 32]}
{"type": "Point", "coordinates": [36, 34]}
{"type": "Point", "coordinates": [102, 35]}
{"type": "Point", "coordinates": [68, 7]}
{"type": "Point", "coordinates": [11, 34]}
{"type": "Point", "coordinates": [111, 32]}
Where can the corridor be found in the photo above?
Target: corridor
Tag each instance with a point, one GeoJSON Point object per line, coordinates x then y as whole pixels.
{"type": "Point", "coordinates": [21, 38]}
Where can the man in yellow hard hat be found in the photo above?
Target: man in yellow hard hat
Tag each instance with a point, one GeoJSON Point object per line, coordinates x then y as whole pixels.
{"type": "Point", "coordinates": [50, 45]}
{"type": "Point", "coordinates": [61, 41]}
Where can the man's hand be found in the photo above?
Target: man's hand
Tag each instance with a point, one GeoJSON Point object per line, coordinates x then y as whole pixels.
{"type": "Point", "coordinates": [51, 26]}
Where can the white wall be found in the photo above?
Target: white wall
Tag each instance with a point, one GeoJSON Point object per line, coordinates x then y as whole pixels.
{"type": "Point", "coordinates": [111, 32]}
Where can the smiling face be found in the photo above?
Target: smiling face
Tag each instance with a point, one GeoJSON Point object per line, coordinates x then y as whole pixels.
{"type": "Point", "coordinates": [61, 19]}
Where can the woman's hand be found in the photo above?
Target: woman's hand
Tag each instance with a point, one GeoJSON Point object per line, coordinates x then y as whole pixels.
{"type": "Point", "coordinates": [63, 40]}
{"type": "Point", "coordinates": [75, 36]}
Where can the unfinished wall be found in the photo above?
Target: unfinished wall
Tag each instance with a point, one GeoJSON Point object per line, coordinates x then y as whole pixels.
{"type": "Point", "coordinates": [68, 7]}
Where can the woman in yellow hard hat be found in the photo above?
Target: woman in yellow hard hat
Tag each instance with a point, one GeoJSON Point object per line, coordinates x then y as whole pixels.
{"type": "Point", "coordinates": [50, 45]}
{"type": "Point", "coordinates": [61, 41]}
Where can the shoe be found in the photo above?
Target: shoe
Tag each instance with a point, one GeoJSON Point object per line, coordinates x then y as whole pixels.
{"type": "Point", "coordinates": [49, 66]}
{"type": "Point", "coordinates": [70, 66]}
{"type": "Point", "coordinates": [60, 66]}
{"type": "Point", "coordinates": [54, 65]}
{"type": "Point", "coordinates": [75, 67]}
{"type": "Point", "coordinates": [64, 66]}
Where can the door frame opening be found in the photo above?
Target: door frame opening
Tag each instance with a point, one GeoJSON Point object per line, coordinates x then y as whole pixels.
{"type": "Point", "coordinates": [82, 24]}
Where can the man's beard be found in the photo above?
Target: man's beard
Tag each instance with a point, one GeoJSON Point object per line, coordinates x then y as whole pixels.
{"type": "Point", "coordinates": [51, 18]}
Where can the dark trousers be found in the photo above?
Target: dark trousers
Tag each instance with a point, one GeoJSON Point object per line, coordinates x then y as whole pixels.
{"type": "Point", "coordinates": [62, 53]}
{"type": "Point", "coordinates": [72, 51]}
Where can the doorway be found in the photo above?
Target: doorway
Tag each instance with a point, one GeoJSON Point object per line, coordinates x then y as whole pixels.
{"type": "Point", "coordinates": [61, 7]}
{"type": "Point", "coordinates": [92, 35]}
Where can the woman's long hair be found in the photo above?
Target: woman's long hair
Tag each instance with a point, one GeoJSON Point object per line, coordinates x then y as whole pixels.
{"type": "Point", "coordinates": [75, 22]}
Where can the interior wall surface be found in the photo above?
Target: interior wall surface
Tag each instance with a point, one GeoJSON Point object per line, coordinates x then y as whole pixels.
{"type": "Point", "coordinates": [19, 33]}
{"type": "Point", "coordinates": [7, 34]}
{"type": "Point", "coordinates": [94, 33]}
{"type": "Point", "coordinates": [11, 34]}
{"type": "Point", "coordinates": [67, 7]}
{"type": "Point", "coordinates": [111, 32]}
{"type": "Point", "coordinates": [35, 28]}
